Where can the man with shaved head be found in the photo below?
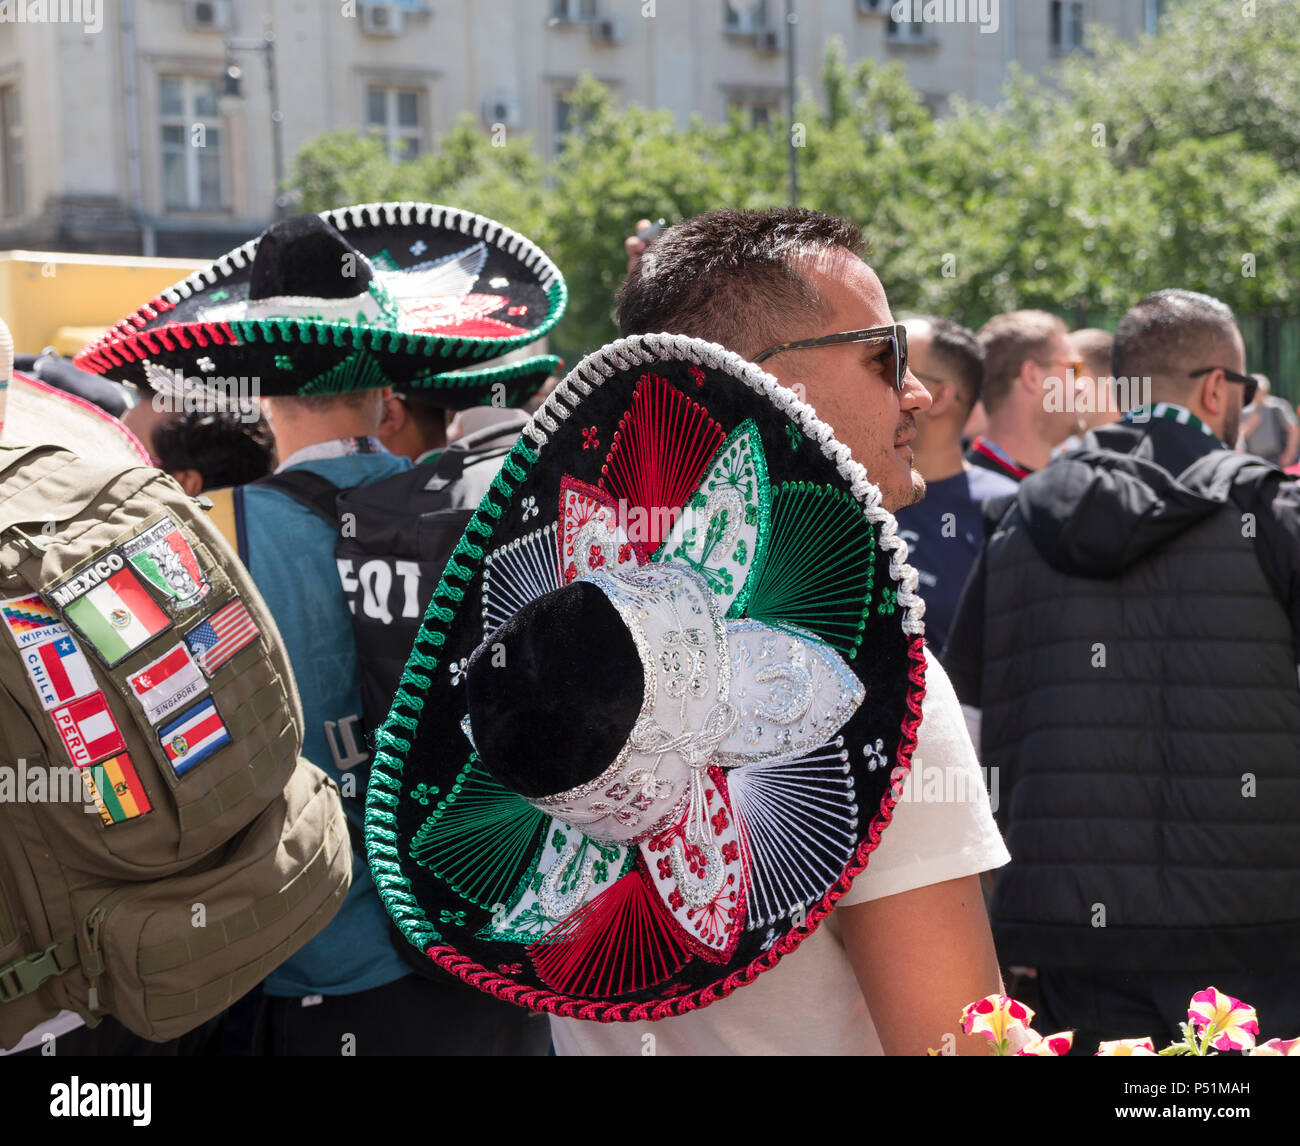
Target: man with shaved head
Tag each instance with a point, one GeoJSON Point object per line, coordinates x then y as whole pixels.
{"type": "Point", "coordinates": [1129, 637]}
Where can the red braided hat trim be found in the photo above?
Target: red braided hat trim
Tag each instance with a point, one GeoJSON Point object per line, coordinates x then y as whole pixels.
{"type": "Point", "coordinates": [134, 345]}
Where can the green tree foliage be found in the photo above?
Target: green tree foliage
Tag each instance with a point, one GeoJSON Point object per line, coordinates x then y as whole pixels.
{"type": "Point", "coordinates": [1171, 160]}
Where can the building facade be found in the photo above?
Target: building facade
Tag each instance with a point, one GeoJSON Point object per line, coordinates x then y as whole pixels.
{"type": "Point", "coordinates": [153, 133]}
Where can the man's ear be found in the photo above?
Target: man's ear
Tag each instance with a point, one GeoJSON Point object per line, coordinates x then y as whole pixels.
{"type": "Point", "coordinates": [943, 399]}
{"type": "Point", "coordinates": [393, 415]}
{"type": "Point", "coordinates": [1030, 378]}
{"type": "Point", "coordinates": [191, 481]}
{"type": "Point", "coordinates": [1212, 394]}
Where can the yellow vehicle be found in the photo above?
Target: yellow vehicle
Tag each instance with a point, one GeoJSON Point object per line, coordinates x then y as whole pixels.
{"type": "Point", "coordinates": [52, 298]}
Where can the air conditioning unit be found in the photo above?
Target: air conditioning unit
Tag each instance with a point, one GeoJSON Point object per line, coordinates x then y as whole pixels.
{"type": "Point", "coordinates": [501, 109]}
{"type": "Point", "coordinates": [382, 19]}
{"type": "Point", "coordinates": [209, 15]}
{"type": "Point", "coordinates": [769, 40]}
{"type": "Point", "coordinates": [606, 32]}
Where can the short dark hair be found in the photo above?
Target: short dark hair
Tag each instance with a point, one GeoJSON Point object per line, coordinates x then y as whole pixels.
{"type": "Point", "coordinates": [224, 449]}
{"type": "Point", "coordinates": [1094, 346]}
{"type": "Point", "coordinates": [960, 351]}
{"type": "Point", "coordinates": [730, 276]}
{"type": "Point", "coordinates": [1009, 341]}
{"type": "Point", "coordinates": [1169, 334]}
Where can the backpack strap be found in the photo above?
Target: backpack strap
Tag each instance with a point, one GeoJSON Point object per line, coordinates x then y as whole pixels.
{"type": "Point", "coordinates": [307, 489]}
{"type": "Point", "coordinates": [25, 975]}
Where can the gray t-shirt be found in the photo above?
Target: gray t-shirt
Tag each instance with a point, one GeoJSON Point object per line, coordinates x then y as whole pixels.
{"type": "Point", "coordinates": [1268, 439]}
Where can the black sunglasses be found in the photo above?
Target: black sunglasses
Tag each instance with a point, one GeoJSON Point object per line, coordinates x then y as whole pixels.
{"type": "Point", "coordinates": [895, 359]}
{"type": "Point", "coordinates": [1249, 384]}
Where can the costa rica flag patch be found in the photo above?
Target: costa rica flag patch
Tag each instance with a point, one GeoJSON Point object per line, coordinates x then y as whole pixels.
{"type": "Point", "coordinates": [193, 736]}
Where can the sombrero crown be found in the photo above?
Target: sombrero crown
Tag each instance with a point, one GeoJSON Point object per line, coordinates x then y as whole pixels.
{"type": "Point", "coordinates": [402, 294]}
{"type": "Point", "coordinates": [656, 717]}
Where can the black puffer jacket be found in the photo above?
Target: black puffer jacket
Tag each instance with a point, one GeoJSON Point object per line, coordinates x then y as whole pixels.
{"type": "Point", "coordinates": [1128, 637]}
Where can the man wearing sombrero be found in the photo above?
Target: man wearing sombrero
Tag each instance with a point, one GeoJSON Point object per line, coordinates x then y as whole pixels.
{"type": "Point", "coordinates": [323, 316]}
{"type": "Point", "coordinates": [669, 701]}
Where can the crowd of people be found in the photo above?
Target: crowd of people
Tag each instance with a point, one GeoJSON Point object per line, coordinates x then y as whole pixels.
{"type": "Point", "coordinates": [1112, 626]}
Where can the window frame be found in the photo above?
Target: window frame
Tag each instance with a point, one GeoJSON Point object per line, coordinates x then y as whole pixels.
{"type": "Point", "coordinates": [186, 121]}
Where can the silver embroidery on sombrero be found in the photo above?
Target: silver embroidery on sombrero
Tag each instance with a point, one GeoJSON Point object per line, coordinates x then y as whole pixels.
{"type": "Point", "coordinates": [791, 691]}
{"type": "Point", "coordinates": [682, 644]}
{"type": "Point", "coordinates": [517, 573]}
{"type": "Point", "coordinates": [798, 828]}
{"type": "Point", "coordinates": [571, 870]}
{"type": "Point", "coordinates": [591, 536]}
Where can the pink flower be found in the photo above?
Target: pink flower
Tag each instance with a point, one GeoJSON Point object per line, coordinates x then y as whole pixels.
{"type": "Point", "coordinates": [1282, 1048]}
{"type": "Point", "coordinates": [996, 1017]}
{"type": "Point", "coordinates": [1123, 1048]}
{"type": "Point", "coordinates": [1047, 1045]}
{"type": "Point", "coordinates": [1226, 1023]}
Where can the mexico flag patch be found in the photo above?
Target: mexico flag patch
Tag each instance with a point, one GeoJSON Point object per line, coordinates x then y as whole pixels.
{"type": "Point", "coordinates": [109, 606]}
{"type": "Point", "coordinates": [115, 790]}
{"type": "Point", "coordinates": [193, 737]}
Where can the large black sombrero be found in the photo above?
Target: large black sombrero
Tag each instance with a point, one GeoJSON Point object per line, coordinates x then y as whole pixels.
{"type": "Point", "coordinates": [411, 295]}
{"type": "Point", "coordinates": [663, 699]}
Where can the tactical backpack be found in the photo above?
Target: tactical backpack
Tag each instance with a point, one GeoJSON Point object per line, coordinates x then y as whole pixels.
{"type": "Point", "coordinates": [162, 844]}
{"type": "Point", "coordinates": [395, 537]}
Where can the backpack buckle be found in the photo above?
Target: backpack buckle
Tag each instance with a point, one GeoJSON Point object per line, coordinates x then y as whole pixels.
{"type": "Point", "coordinates": [25, 975]}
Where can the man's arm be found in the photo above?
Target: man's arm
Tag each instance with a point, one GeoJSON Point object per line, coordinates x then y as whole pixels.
{"type": "Point", "coordinates": [920, 957]}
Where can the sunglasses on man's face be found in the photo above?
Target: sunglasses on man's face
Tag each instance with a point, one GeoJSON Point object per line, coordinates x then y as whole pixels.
{"type": "Point", "coordinates": [894, 359]}
{"type": "Point", "coordinates": [1248, 384]}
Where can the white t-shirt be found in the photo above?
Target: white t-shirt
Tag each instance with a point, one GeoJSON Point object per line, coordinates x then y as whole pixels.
{"type": "Point", "coordinates": [810, 1002]}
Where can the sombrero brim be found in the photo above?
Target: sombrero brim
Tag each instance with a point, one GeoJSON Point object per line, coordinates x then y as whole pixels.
{"type": "Point", "coordinates": [510, 384]}
{"type": "Point", "coordinates": [490, 291]}
{"type": "Point", "coordinates": [37, 414]}
{"type": "Point", "coordinates": [458, 859]}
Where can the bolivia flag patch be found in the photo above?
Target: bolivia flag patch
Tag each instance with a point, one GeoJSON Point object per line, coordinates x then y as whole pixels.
{"type": "Point", "coordinates": [193, 737]}
{"type": "Point", "coordinates": [116, 790]}
{"type": "Point", "coordinates": [116, 615]}
{"type": "Point", "coordinates": [88, 729]}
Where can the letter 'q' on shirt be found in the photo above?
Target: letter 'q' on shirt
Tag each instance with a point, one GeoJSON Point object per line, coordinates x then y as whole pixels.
{"type": "Point", "coordinates": [810, 1002]}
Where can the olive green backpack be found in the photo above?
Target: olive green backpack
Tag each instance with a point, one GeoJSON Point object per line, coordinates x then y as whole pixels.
{"type": "Point", "coordinates": [162, 844]}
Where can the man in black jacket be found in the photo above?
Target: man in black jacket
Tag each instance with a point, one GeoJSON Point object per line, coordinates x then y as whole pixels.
{"type": "Point", "coordinates": [1128, 638]}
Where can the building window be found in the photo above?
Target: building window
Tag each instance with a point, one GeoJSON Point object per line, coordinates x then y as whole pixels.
{"type": "Point", "coordinates": [758, 108]}
{"type": "Point", "coordinates": [191, 144]}
{"type": "Point", "coordinates": [744, 17]}
{"type": "Point", "coordinates": [11, 150]}
{"type": "Point", "coordinates": [908, 31]}
{"type": "Point", "coordinates": [573, 11]}
{"type": "Point", "coordinates": [395, 114]}
{"type": "Point", "coordinates": [1067, 26]}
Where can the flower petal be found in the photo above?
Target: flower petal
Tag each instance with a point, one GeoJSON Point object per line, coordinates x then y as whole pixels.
{"type": "Point", "coordinates": [1124, 1048]}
